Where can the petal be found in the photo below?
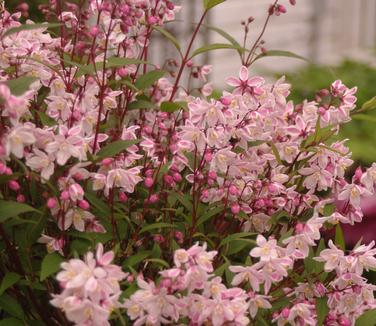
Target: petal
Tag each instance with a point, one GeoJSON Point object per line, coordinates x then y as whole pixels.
{"type": "Point", "coordinates": [232, 81]}
{"type": "Point", "coordinates": [243, 73]}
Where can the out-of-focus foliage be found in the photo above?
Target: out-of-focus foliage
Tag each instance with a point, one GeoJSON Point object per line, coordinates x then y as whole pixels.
{"type": "Point", "coordinates": [362, 134]}
{"type": "Point", "coordinates": [34, 13]}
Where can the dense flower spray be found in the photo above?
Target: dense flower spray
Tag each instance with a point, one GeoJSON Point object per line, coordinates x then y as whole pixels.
{"type": "Point", "coordinates": [214, 205]}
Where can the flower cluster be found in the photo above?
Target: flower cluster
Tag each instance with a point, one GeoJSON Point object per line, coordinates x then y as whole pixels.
{"type": "Point", "coordinates": [91, 288]}
{"type": "Point", "coordinates": [191, 291]}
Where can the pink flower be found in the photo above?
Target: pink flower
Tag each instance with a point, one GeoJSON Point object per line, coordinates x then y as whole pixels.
{"type": "Point", "coordinates": [245, 84]}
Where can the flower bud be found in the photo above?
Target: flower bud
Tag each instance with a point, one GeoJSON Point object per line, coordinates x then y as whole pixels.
{"type": "Point", "coordinates": [177, 177]}
{"type": "Point", "coordinates": [122, 197]}
{"type": "Point", "coordinates": [285, 312]}
{"type": "Point", "coordinates": [235, 208]}
{"type": "Point", "coordinates": [51, 202]}
{"type": "Point", "coordinates": [158, 238]}
{"type": "Point", "coordinates": [149, 182]}
{"type": "Point", "coordinates": [94, 31]}
{"type": "Point", "coordinates": [14, 185]}
{"type": "Point", "coordinates": [233, 190]}
{"type": "Point", "coordinates": [64, 195]}
{"type": "Point", "coordinates": [153, 198]}
{"type": "Point", "coordinates": [21, 198]}
{"type": "Point", "coordinates": [122, 72]}
{"type": "Point", "coordinates": [83, 204]}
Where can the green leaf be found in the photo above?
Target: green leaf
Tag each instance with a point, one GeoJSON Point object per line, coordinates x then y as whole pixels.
{"type": "Point", "coordinates": [238, 245]}
{"type": "Point", "coordinates": [137, 258]}
{"type": "Point", "coordinates": [140, 104]}
{"type": "Point", "coordinates": [339, 238]}
{"type": "Point", "coordinates": [227, 36]}
{"type": "Point", "coordinates": [158, 261]}
{"type": "Point", "coordinates": [279, 53]}
{"type": "Point", "coordinates": [20, 85]}
{"type": "Point", "coordinates": [209, 214]}
{"type": "Point", "coordinates": [50, 265]}
{"type": "Point", "coordinates": [11, 322]}
{"type": "Point", "coordinates": [276, 153]}
{"type": "Point", "coordinates": [11, 306]}
{"type": "Point", "coordinates": [236, 236]}
{"type": "Point", "coordinates": [208, 4]}
{"type": "Point", "coordinates": [322, 309]}
{"type": "Point", "coordinates": [29, 27]}
{"type": "Point", "coordinates": [147, 80]}
{"type": "Point", "coordinates": [120, 62]}
{"type": "Point", "coordinates": [10, 209]}
{"type": "Point", "coordinates": [116, 147]}
{"type": "Point", "coordinates": [156, 226]}
{"type": "Point", "coordinates": [172, 106]}
{"type": "Point", "coordinates": [9, 280]}
{"type": "Point", "coordinates": [216, 46]}
{"type": "Point", "coordinates": [98, 204]}
{"type": "Point", "coordinates": [369, 105]}
{"type": "Point", "coordinates": [184, 199]}
{"type": "Point", "coordinates": [169, 36]}
{"type": "Point", "coordinates": [364, 117]}
{"type": "Point", "coordinates": [367, 319]}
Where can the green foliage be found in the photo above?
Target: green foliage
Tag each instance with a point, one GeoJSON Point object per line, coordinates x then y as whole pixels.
{"type": "Point", "coordinates": [360, 131]}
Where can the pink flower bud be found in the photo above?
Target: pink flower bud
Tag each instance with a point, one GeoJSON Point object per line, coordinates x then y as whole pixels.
{"type": "Point", "coordinates": [233, 190]}
{"type": "Point", "coordinates": [51, 203]}
{"type": "Point", "coordinates": [285, 312]}
{"type": "Point", "coordinates": [299, 228]}
{"type": "Point", "coordinates": [343, 321]}
{"type": "Point", "coordinates": [189, 63]}
{"type": "Point", "coordinates": [235, 208]}
{"type": "Point", "coordinates": [2, 168]}
{"type": "Point", "coordinates": [179, 236]}
{"type": "Point", "coordinates": [122, 72]}
{"type": "Point", "coordinates": [212, 175]}
{"type": "Point", "coordinates": [14, 185]}
{"type": "Point", "coordinates": [153, 199]}
{"type": "Point", "coordinates": [94, 31]}
{"type": "Point", "coordinates": [64, 195]}
{"type": "Point", "coordinates": [23, 7]}
{"type": "Point", "coordinates": [282, 9]}
{"type": "Point", "coordinates": [168, 179]}
{"type": "Point", "coordinates": [158, 238]}
{"type": "Point", "coordinates": [149, 173]}
{"type": "Point", "coordinates": [107, 161]}
{"type": "Point", "coordinates": [208, 157]}
{"type": "Point", "coordinates": [166, 283]}
{"type": "Point", "coordinates": [8, 171]}
{"type": "Point", "coordinates": [225, 100]}
{"type": "Point", "coordinates": [292, 2]}
{"type": "Point", "coordinates": [205, 194]}
{"type": "Point", "coordinates": [83, 204]}
{"type": "Point", "coordinates": [21, 198]}
{"type": "Point", "coordinates": [122, 197]}
{"type": "Point", "coordinates": [358, 174]}
{"type": "Point", "coordinates": [77, 115]}
{"type": "Point", "coordinates": [170, 5]}
{"type": "Point", "coordinates": [148, 130]}
{"type": "Point", "coordinates": [149, 182]}
{"type": "Point", "coordinates": [130, 278]}
{"type": "Point", "coordinates": [152, 20]}
{"type": "Point", "coordinates": [177, 177]}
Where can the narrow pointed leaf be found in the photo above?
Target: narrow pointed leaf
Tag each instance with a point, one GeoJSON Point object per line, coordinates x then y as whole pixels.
{"type": "Point", "coordinates": [116, 147]}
